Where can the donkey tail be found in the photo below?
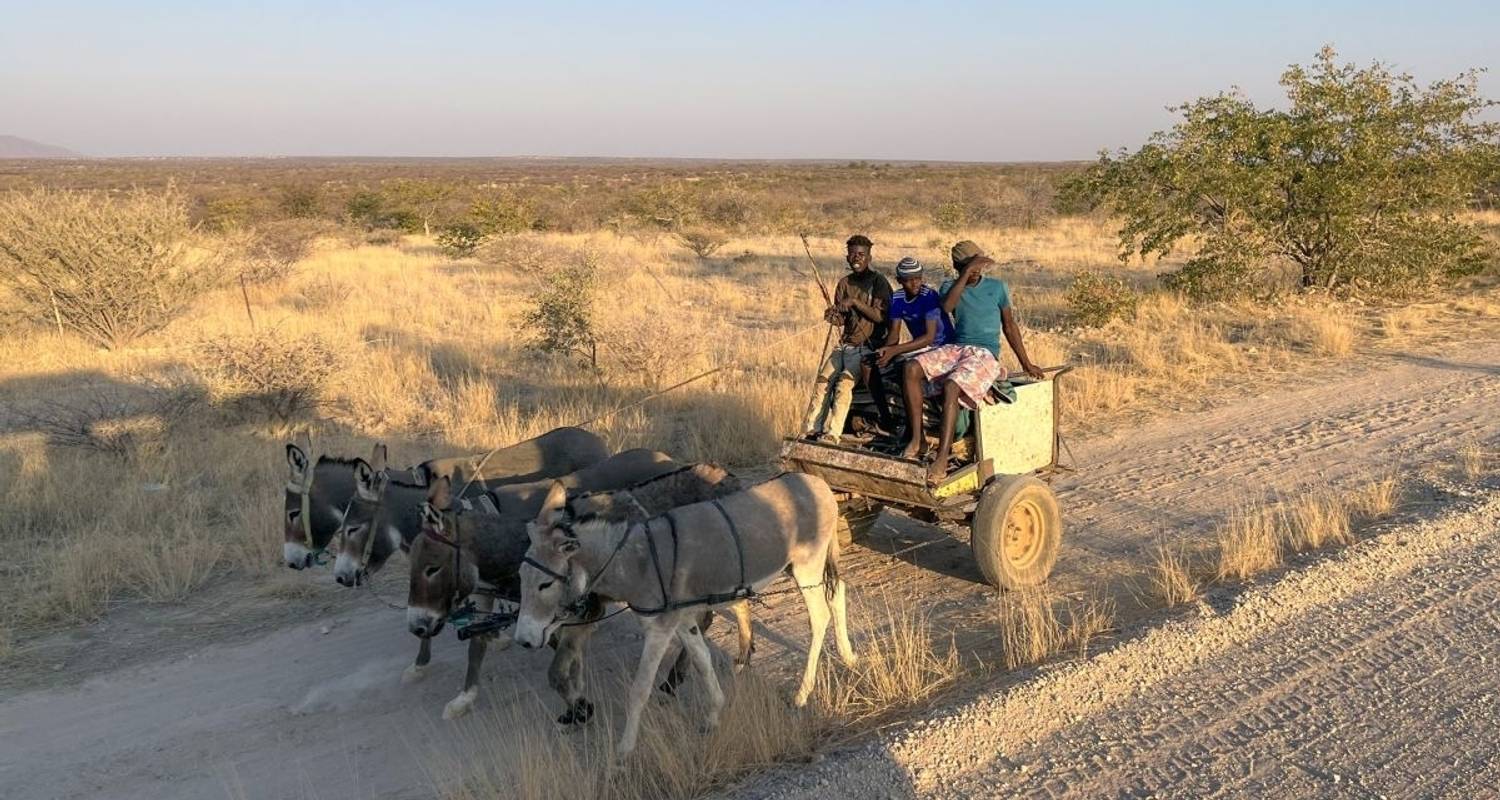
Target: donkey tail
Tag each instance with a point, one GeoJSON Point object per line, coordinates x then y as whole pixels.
{"type": "Point", "coordinates": [831, 568]}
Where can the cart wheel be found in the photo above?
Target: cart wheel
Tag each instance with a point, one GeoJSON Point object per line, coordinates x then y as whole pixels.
{"type": "Point", "coordinates": [856, 517]}
{"type": "Point", "coordinates": [1016, 531]}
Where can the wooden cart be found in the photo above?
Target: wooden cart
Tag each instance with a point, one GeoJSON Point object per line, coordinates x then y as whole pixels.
{"type": "Point", "coordinates": [1002, 494]}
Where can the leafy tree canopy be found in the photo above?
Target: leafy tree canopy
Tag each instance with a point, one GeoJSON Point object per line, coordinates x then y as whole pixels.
{"type": "Point", "coordinates": [1356, 182]}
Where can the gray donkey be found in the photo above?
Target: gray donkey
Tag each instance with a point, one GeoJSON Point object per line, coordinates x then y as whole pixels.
{"type": "Point", "coordinates": [458, 551]}
{"type": "Point", "coordinates": [667, 568]}
{"type": "Point", "coordinates": [385, 514]}
{"type": "Point", "coordinates": [691, 484]}
{"type": "Point", "coordinates": [318, 494]}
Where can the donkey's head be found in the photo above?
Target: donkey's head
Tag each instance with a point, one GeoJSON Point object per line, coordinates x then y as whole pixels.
{"type": "Point", "coordinates": [549, 583]}
{"type": "Point", "coordinates": [317, 498]}
{"type": "Point", "coordinates": [443, 570]}
{"type": "Point", "coordinates": [357, 533]}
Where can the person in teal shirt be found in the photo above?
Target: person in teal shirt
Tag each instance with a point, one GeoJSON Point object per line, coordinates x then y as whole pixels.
{"type": "Point", "coordinates": [963, 371]}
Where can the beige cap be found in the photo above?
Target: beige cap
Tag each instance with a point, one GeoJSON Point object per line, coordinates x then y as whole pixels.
{"type": "Point", "coordinates": [964, 251]}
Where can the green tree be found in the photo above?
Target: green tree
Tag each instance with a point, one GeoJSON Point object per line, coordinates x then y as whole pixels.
{"type": "Point", "coordinates": [502, 214]}
{"type": "Point", "coordinates": [424, 199]}
{"type": "Point", "coordinates": [562, 316]}
{"type": "Point", "coordinates": [1356, 183]}
{"type": "Point", "coordinates": [460, 240]}
{"type": "Point", "coordinates": [365, 207]}
{"type": "Point", "coordinates": [301, 201]}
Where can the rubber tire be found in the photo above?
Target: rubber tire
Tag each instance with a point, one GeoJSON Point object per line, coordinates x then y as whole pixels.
{"type": "Point", "coordinates": [987, 529]}
{"type": "Point", "coordinates": [856, 518]}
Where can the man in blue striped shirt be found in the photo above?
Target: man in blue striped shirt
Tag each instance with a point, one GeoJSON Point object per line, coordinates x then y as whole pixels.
{"type": "Point", "coordinates": [920, 308]}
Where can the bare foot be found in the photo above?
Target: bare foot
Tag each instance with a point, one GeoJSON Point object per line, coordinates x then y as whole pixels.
{"type": "Point", "coordinates": [937, 472]}
{"type": "Point", "coordinates": [913, 449]}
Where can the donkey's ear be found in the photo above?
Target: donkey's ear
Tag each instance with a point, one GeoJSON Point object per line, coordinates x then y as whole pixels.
{"type": "Point", "coordinates": [366, 481]}
{"type": "Point", "coordinates": [440, 494]}
{"type": "Point", "coordinates": [557, 497]}
{"type": "Point", "coordinates": [297, 459]}
{"type": "Point", "coordinates": [377, 458]}
{"type": "Point", "coordinates": [431, 517]}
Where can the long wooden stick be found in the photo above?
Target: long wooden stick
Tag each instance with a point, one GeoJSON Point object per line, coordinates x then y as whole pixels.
{"type": "Point", "coordinates": [818, 276]}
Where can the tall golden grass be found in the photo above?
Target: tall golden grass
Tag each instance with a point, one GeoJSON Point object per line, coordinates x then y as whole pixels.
{"type": "Point", "coordinates": [1170, 580]}
{"type": "Point", "coordinates": [1035, 625]}
{"type": "Point", "coordinates": [1257, 536]}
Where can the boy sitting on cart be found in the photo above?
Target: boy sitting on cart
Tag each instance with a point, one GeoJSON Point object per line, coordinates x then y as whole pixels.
{"type": "Point", "coordinates": [920, 307]}
{"type": "Point", "coordinates": [964, 370]}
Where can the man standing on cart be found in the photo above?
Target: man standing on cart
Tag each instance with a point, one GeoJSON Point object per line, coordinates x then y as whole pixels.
{"type": "Point", "coordinates": [859, 305]}
{"type": "Point", "coordinates": [963, 372]}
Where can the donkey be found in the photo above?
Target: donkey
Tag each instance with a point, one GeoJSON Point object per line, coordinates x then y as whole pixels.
{"type": "Point", "coordinates": [707, 553]}
{"type": "Point", "coordinates": [640, 502]}
{"type": "Point", "coordinates": [317, 496]}
{"type": "Point", "coordinates": [557, 452]}
{"type": "Point", "coordinates": [457, 551]}
{"type": "Point", "coordinates": [386, 513]}
{"type": "Point", "coordinates": [619, 471]}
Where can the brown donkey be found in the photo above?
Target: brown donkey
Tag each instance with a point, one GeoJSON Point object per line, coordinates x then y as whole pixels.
{"type": "Point", "coordinates": [669, 567]}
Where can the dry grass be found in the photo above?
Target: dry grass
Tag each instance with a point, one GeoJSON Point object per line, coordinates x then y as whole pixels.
{"type": "Point", "coordinates": [1033, 630]}
{"type": "Point", "coordinates": [1256, 536]}
{"type": "Point", "coordinates": [1325, 331]}
{"type": "Point", "coordinates": [1316, 519]}
{"type": "Point", "coordinates": [902, 666]}
{"type": "Point", "coordinates": [1471, 460]}
{"type": "Point", "coordinates": [137, 526]}
{"type": "Point", "coordinates": [1249, 543]}
{"type": "Point", "coordinates": [519, 752]}
{"type": "Point", "coordinates": [1375, 498]}
{"type": "Point", "coordinates": [1170, 581]}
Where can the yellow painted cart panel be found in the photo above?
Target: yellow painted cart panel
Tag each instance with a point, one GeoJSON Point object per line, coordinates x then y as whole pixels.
{"type": "Point", "coordinates": [1018, 437]}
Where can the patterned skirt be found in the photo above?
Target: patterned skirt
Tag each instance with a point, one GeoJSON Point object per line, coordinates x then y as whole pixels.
{"type": "Point", "coordinates": [973, 368]}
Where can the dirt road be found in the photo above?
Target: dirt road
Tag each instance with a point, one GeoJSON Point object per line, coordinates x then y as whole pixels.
{"type": "Point", "coordinates": [1370, 674]}
{"type": "Point", "coordinates": [311, 705]}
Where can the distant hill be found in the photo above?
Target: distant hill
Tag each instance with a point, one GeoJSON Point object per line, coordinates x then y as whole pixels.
{"type": "Point", "coordinates": [16, 147]}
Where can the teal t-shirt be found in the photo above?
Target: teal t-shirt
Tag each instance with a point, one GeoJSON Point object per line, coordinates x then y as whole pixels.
{"type": "Point", "coordinates": [976, 320]}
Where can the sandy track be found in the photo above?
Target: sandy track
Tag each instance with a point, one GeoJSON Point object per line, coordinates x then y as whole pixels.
{"type": "Point", "coordinates": [297, 711]}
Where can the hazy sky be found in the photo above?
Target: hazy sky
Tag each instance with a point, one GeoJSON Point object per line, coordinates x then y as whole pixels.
{"type": "Point", "coordinates": [960, 81]}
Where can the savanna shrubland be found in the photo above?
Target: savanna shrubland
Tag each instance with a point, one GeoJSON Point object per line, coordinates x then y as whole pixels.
{"type": "Point", "coordinates": [403, 343]}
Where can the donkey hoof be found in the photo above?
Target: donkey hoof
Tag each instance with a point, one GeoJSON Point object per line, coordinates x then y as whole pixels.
{"type": "Point", "coordinates": [413, 673]}
{"type": "Point", "coordinates": [460, 705]}
{"type": "Point", "coordinates": [579, 713]}
{"type": "Point", "coordinates": [801, 699]}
